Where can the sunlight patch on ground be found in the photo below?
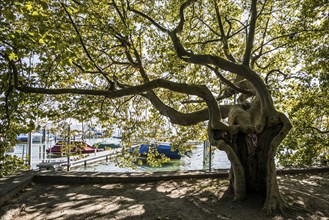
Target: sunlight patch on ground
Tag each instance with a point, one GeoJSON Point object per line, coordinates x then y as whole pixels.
{"type": "Point", "coordinates": [48, 196]}
{"type": "Point", "coordinates": [172, 190]}
{"type": "Point", "coordinates": [75, 196]}
{"type": "Point", "coordinates": [144, 187]}
{"type": "Point", "coordinates": [110, 186]}
{"type": "Point", "coordinates": [120, 199]}
{"type": "Point", "coordinates": [133, 210]}
{"type": "Point", "coordinates": [300, 201]}
{"type": "Point", "coordinates": [61, 186]}
{"type": "Point", "coordinates": [310, 182]}
{"type": "Point", "coordinates": [180, 193]}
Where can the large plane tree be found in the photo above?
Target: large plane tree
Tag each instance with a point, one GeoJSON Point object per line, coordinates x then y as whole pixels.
{"type": "Point", "coordinates": [195, 62]}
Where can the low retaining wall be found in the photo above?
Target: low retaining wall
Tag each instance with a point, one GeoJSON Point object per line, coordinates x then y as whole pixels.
{"type": "Point", "coordinates": [302, 170]}
{"type": "Point", "coordinates": [11, 185]}
{"type": "Point", "coordinates": [101, 178]}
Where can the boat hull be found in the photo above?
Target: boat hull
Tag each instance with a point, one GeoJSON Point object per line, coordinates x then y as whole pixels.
{"type": "Point", "coordinates": [75, 147]}
{"type": "Point", "coordinates": [143, 150]}
{"type": "Point", "coordinates": [105, 145]}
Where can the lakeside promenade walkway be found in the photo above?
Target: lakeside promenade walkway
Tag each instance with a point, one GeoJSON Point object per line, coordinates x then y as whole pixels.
{"type": "Point", "coordinates": [13, 184]}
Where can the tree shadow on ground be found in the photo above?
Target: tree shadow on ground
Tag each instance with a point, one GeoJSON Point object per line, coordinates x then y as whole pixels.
{"type": "Point", "coordinates": [307, 194]}
{"type": "Point", "coordinates": [184, 199]}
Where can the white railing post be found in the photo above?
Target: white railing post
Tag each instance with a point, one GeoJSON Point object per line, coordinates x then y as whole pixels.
{"type": "Point", "coordinates": [29, 144]}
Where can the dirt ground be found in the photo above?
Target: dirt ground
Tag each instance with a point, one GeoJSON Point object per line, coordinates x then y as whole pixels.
{"type": "Point", "coordinates": [200, 199]}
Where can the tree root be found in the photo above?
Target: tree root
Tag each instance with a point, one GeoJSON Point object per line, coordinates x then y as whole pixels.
{"type": "Point", "coordinates": [275, 204]}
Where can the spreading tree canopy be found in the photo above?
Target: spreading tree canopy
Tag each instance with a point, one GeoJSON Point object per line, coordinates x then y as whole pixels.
{"type": "Point", "coordinates": [227, 70]}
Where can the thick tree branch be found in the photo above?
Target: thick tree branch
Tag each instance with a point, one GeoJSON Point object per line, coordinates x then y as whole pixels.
{"type": "Point", "coordinates": [175, 116]}
{"type": "Point", "coordinates": [251, 34]}
{"type": "Point", "coordinates": [255, 58]}
{"type": "Point", "coordinates": [190, 57]}
{"type": "Point", "coordinates": [186, 119]}
{"type": "Point", "coordinates": [140, 64]}
{"type": "Point", "coordinates": [242, 71]}
{"type": "Point", "coordinates": [204, 59]}
{"type": "Point", "coordinates": [180, 25]}
{"type": "Point", "coordinates": [273, 71]}
{"type": "Point", "coordinates": [200, 91]}
{"type": "Point", "coordinates": [228, 83]}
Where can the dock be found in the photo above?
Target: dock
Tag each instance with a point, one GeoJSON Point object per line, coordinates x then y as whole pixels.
{"type": "Point", "coordinates": [75, 161]}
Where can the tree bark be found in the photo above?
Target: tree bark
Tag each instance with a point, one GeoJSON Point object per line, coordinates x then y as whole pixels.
{"type": "Point", "coordinates": [252, 158]}
{"type": "Point", "coordinates": [253, 152]}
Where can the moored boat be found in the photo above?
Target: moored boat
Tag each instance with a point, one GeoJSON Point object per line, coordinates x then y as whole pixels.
{"type": "Point", "coordinates": [37, 137]}
{"type": "Point", "coordinates": [62, 147]}
{"type": "Point", "coordinates": [166, 149]}
{"type": "Point", "coordinates": [22, 138]}
{"type": "Point", "coordinates": [106, 145]}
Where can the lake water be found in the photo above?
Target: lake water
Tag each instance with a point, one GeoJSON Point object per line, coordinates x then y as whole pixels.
{"type": "Point", "coordinates": [193, 161]}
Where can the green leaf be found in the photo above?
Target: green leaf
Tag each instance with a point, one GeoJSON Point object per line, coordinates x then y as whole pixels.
{"type": "Point", "coordinates": [41, 41]}
{"type": "Point", "coordinates": [13, 56]}
{"type": "Point", "coordinates": [29, 6]}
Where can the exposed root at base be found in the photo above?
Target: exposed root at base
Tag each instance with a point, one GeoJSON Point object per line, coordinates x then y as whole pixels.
{"type": "Point", "coordinates": [275, 205]}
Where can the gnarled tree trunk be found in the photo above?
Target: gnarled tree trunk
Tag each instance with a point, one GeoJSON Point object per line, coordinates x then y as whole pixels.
{"type": "Point", "coordinates": [254, 153]}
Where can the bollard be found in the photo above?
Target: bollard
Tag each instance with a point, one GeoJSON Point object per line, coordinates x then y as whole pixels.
{"type": "Point", "coordinates": [44, 135]}
{"type": "Point", "coordinates": [43, 152]}
{"type": "Point", "coordinates": [43, 147]}
{"type": "Point", "coordinates": [69, 133]}
{"type": "Point", "coordinates": [29, 143]}
{"type": "Point", "coordinates": [68, 163]}
{"type": "Point", "coordinates": [40, 152]}
{"type": "Point", "coordinates": [210, 157]}
{"type": "Point", "coordinates": [23, 150]}
{"type": "Point", "coordinates": [49, 155]}
{"type": "Point", "coordinates": [204, 153]}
